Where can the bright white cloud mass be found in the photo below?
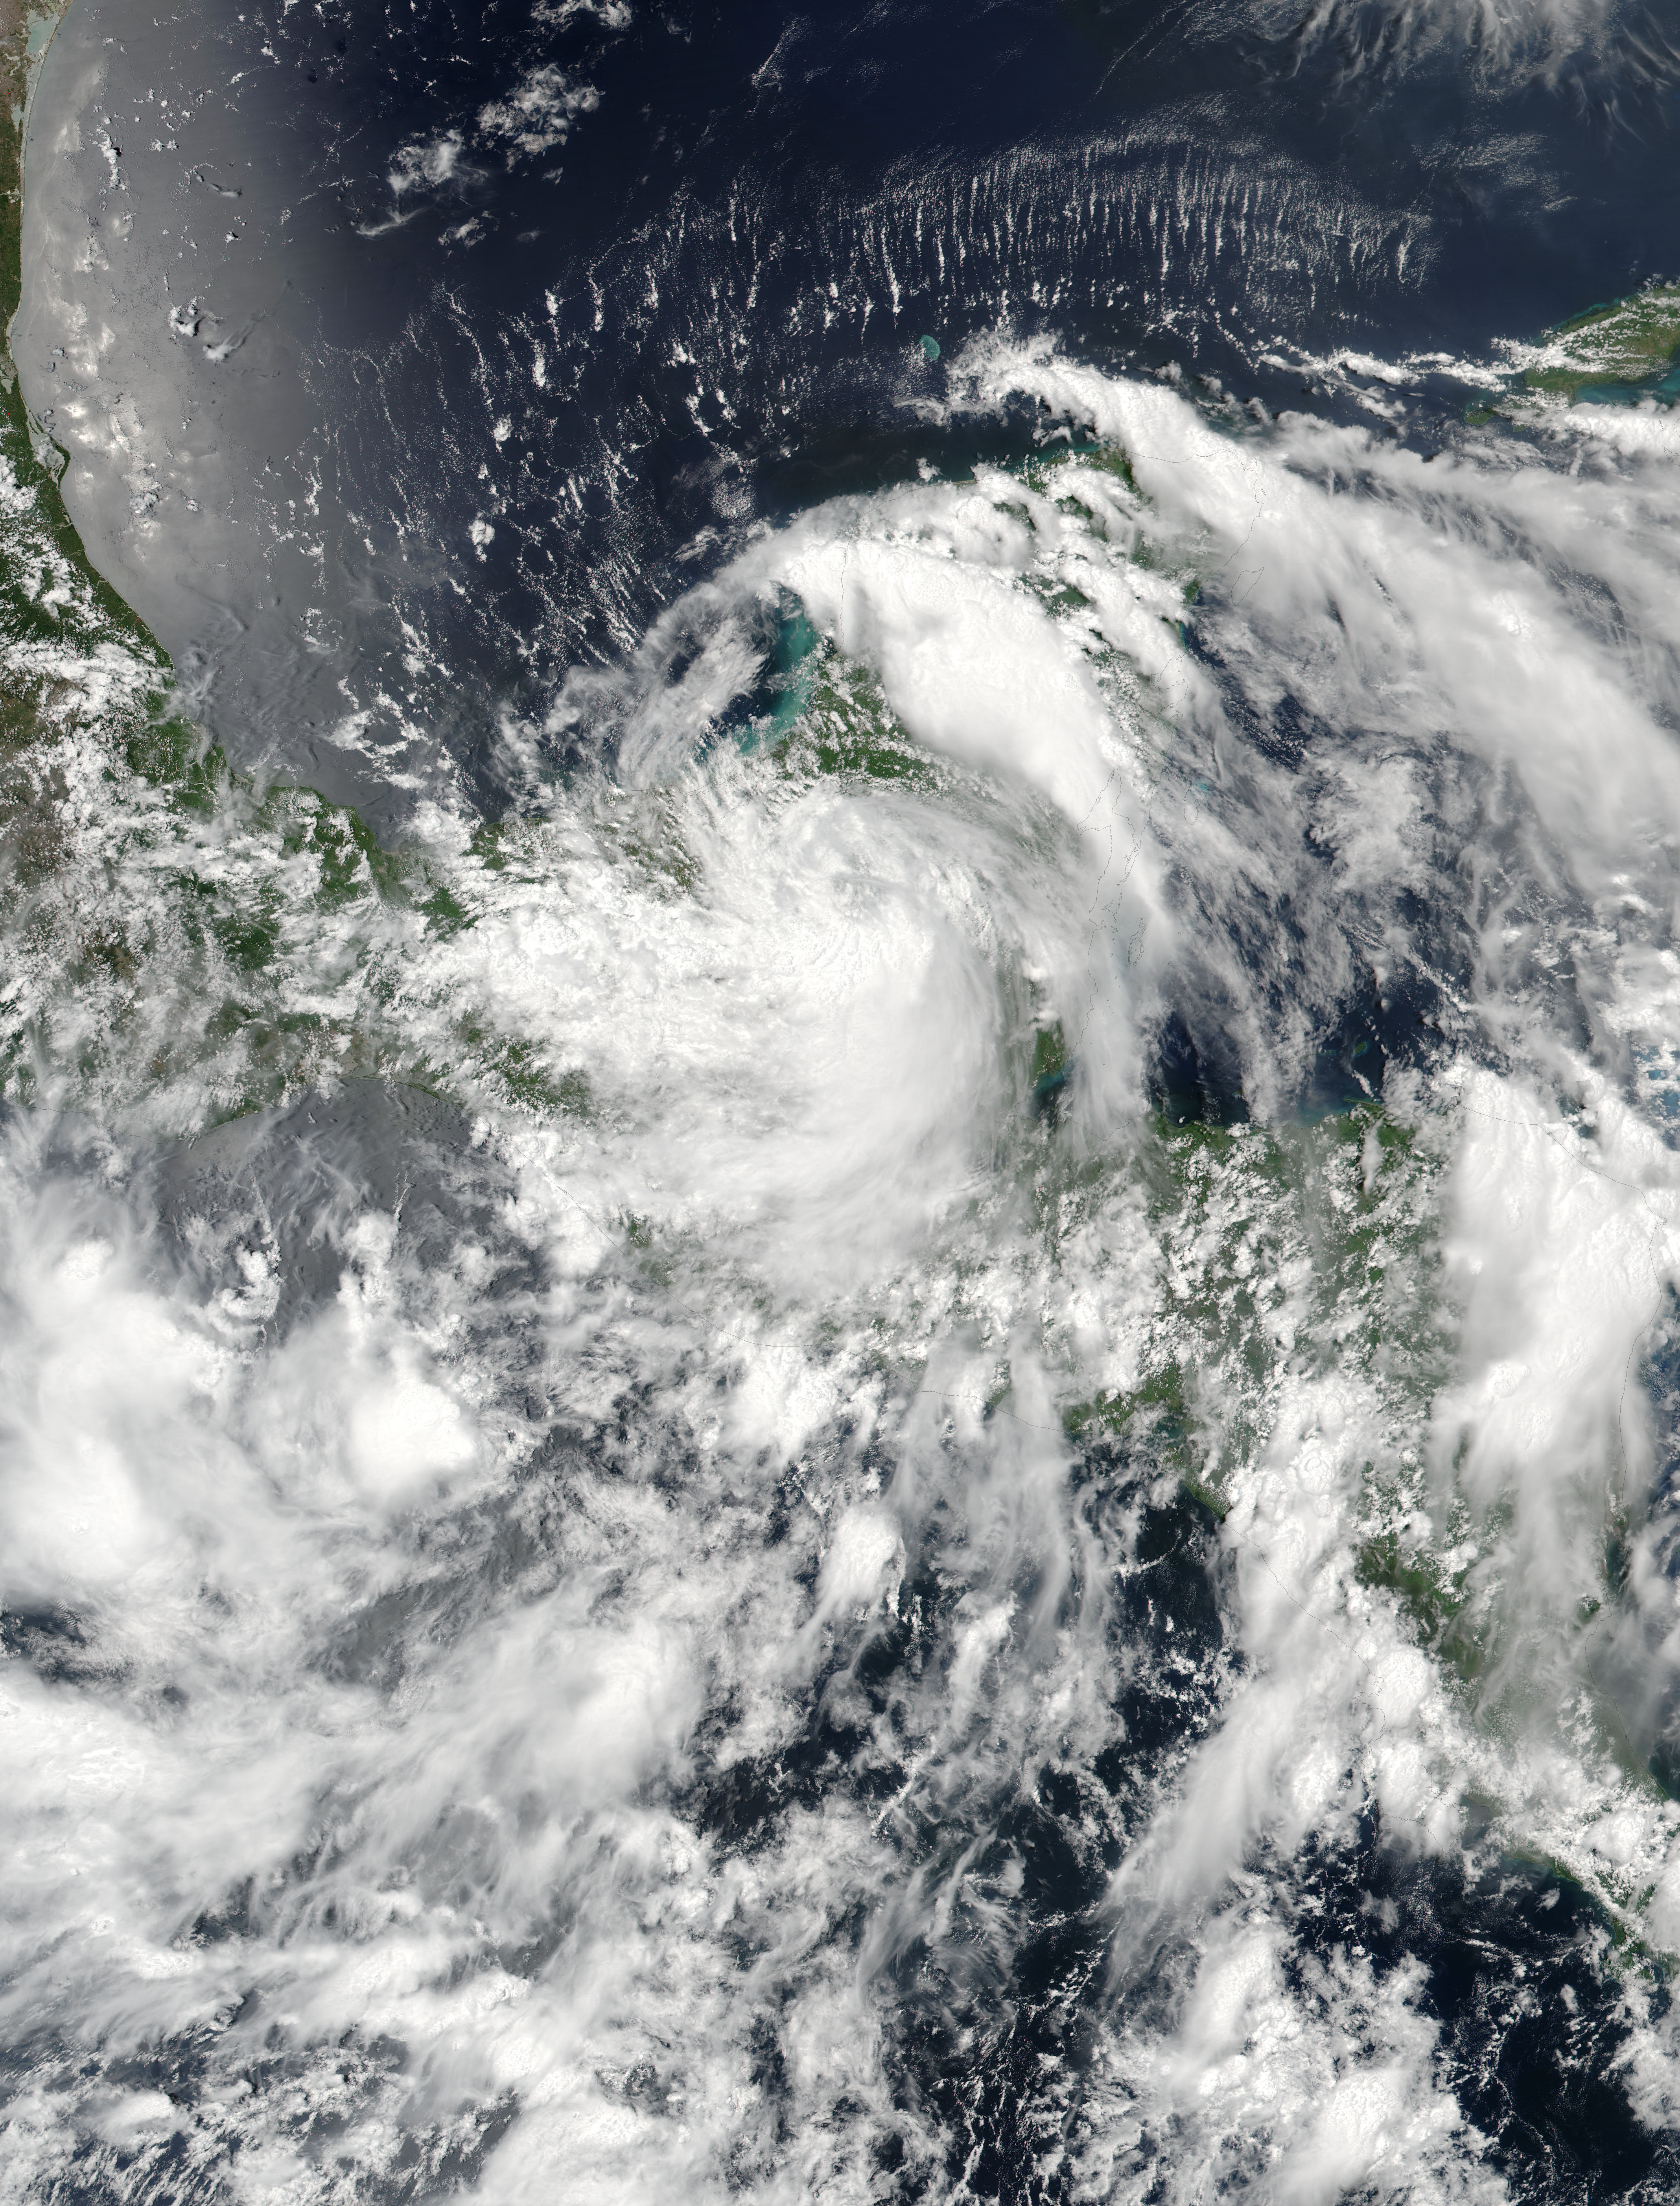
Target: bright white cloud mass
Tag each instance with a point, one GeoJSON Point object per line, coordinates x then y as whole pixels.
{"type": "Point", "coordinates": [392, 1708]}
{"type": "Point", "coordinates": [876, 1403]}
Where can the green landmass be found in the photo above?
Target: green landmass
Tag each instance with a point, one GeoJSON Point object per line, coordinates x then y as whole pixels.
{"type": "Point", "coordinates": [182, 945]}
{"type": "Point", "coordinates": [1628, 341]}
{"type": "Point", "coordinates": [183, 942]}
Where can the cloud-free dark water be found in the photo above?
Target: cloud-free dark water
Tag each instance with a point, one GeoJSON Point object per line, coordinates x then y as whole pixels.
{"type": "Point", "coordinates": [736, 1556]}
{"type": "Point", "coordinates": [408, 358]}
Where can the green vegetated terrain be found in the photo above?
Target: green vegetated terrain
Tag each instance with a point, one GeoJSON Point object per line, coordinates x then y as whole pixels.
{"type": "Point", "coordinates": [847, 727]}
{"type": "Point", "coordinates": [186, 944]}
{"type": "Point", "coordinates": [1625, 349]}
{"type": "Point", "coordinates": [1294, 1248]}
{"type": "Point", "coordinates": [181, 941]}
{"type": "Point", "coordinates": [1296, 1251]}
{"type": "Point", "coordinates": [1628, 341]}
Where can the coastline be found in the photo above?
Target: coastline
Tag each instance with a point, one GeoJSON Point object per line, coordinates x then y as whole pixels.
{"type": "Point", "coordinates": [24, 441]}
{"type": "Point", "coordinates": [158, 911]}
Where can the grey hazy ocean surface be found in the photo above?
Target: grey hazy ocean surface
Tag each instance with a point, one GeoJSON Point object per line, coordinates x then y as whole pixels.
{"type": "Point", "coordinates": [840, 1163]}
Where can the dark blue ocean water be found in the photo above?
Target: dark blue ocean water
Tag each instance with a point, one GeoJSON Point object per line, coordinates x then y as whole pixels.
{"type": "Point", "coordinates": [552, 309]}
{"type": "Point", "coordinates": [682, 288]}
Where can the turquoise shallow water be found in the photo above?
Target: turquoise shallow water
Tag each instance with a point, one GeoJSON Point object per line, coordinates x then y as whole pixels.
{"type": "Point", "coordinates": [837, 1192]}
